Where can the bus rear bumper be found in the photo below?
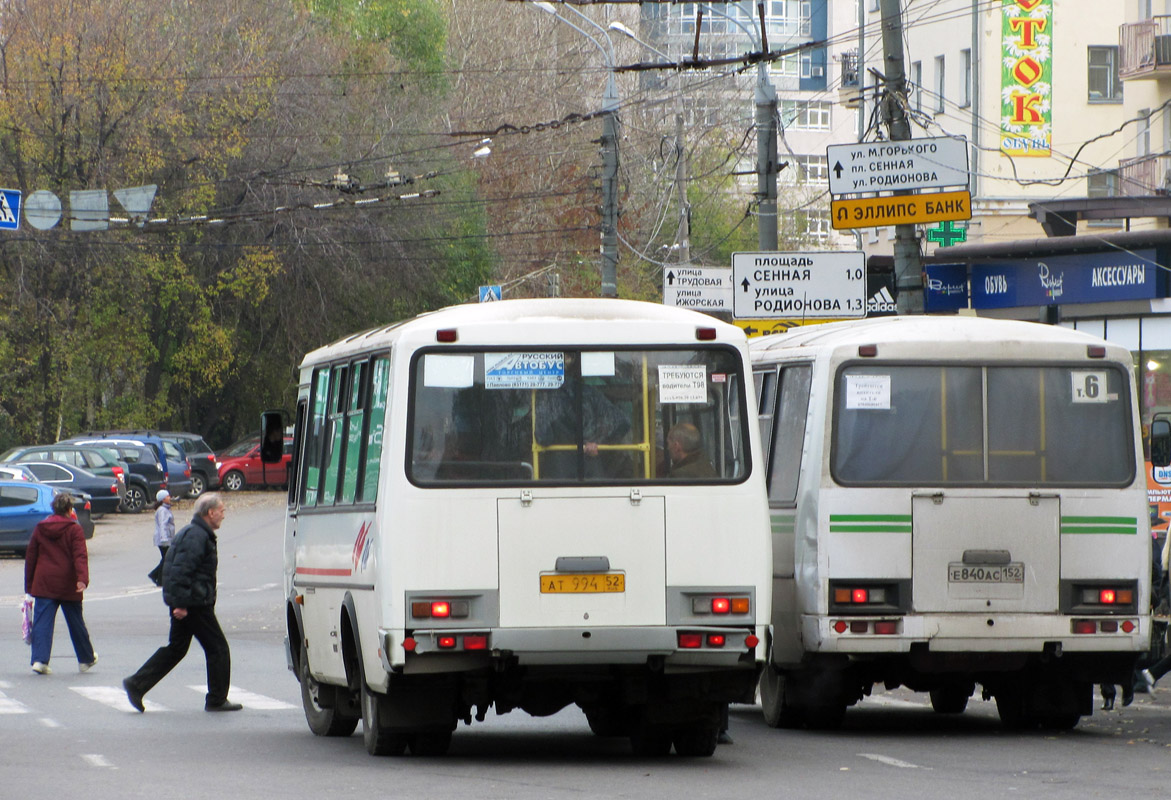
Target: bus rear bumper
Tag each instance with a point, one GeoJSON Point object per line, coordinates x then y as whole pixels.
{"type": "Point", "coordinates": [991, 633]}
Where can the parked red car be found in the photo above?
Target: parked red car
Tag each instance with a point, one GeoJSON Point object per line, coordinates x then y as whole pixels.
{"type": "Point", "coordinates": [240, 466]}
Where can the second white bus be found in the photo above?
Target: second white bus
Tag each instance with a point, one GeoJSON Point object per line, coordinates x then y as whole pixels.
{"type": "Point", "coordinates": [955, 502]}
{"type": "Point", "coordinates": [528, 504]}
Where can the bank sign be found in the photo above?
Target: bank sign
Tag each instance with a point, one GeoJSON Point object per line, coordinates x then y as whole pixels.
{"type": "Point", "coordinates": [1065, 279]}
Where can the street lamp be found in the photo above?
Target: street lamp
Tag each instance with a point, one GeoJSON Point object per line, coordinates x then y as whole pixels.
{"type": "Point", "coordinates": [609, 148]}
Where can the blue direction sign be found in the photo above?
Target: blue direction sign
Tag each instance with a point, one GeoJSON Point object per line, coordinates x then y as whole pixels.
{"type": "Point", "coordinates": [490, 293]}
{"type": "Point", "coordinates": [9, 209]}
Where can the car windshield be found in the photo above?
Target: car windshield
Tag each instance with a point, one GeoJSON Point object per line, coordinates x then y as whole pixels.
{"type": "Point", "coordinates": [240, 448]}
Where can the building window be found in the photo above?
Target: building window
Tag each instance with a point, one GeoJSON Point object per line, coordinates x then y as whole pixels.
{"type": "Point", "coordinates": [917, 83]}
{"type": "Point", "coordinates": [939, 83]}
{"type": "Point", "coordinates": [1143, 138]}
{"type": "Point", "coordinates": [812, 116]}
{"type": "Point", "coordinates": [966, 84]}
{"type": "Point", "coordinates": [807, 170]}
{"type": "Point", "coordinates": [1102, 183]}
{"type": "Point", "coordinates": [1104, 86]}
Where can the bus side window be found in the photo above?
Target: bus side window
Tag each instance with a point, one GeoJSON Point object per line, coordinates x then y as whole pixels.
{"type": "Point", "coordinates": [788, 434]}
{"type": "Point", "coordinates": [766, 392]}
{"type": "Point", "coordinates": [376, 419]}
{"type": "Point", "coordinates": [315, 437]}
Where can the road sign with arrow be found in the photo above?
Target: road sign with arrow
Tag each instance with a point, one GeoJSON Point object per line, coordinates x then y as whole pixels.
{"type": "Point", "coordinates": [869, 167]}
{"type": "Point", "coordinates": [815, 285]}
{"type": "Point", "coordinates": [698, 288]}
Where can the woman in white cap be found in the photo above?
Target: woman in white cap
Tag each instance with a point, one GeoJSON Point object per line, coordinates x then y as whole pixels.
{"type": "Point", "coordinates": [164, 532]}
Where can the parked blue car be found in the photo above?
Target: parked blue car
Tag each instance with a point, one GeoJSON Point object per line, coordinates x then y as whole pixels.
{"type": "Point", "coordinates": [25, 503]}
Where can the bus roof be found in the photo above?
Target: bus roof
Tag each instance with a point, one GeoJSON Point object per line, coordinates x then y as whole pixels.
{"type": "Point", "coordinates": [919, 328]}
{"type": "Point", "coordinates": [487, 320]}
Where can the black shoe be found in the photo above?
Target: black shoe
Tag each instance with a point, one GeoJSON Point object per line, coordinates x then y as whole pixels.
{"type": "Point", "coordinates": [1108, 703]}
{"type": "Point", "coordinates": [224, 706]}
{"type": "Point", "coordinates": [1127, 696]}
{"type": "Point", "coordinates": [723, 738]}
{"type": "Point", "coordinates": [134, 696]}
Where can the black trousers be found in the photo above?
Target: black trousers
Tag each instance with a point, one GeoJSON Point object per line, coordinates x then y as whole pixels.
{"type": "Point", "coordinates": [156, 574]}
{"type": "Point", "coordinates": [202, 624]}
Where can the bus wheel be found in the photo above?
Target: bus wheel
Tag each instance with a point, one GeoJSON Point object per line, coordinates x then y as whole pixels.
{"type": "Point", "coordinates": [1010, 705]}
{"type": "Point", "coordinates": [379, 741]}
{"type": "Point", "coordinates": [697, 740]}
{"type": "Point", "coordinates": [777, 713]}
{"type": "Point", "coordinates": [650, 741]}
{"type": "Point", "coordinates": [608, 720]}
{"type": "Point", "coordinates": [950, 699]}
{"type": "Point", "coordinates": [323, 721]}
{"type": "Point", "coordinates": [431, 743]}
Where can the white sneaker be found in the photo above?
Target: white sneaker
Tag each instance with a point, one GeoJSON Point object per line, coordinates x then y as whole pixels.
{"type": "Point", "coordinates": [41, 668]}
{"type": "Point", "coordinates": [81, 667]}
{"type": "Point", "coordinates": [1148, 679]}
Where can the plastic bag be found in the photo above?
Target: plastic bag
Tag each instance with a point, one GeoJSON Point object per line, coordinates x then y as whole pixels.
{"type": "Point", "coordinates": [26, 625]}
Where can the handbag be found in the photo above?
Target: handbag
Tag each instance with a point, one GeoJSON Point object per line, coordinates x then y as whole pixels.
{"type": "Point", "coordinates": [26, 613]}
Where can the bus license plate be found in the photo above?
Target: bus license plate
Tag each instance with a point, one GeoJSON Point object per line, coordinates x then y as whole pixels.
{"type": "Point", "coordinates": [958, 572]}
{"type": "Point", "coordinates": [582, 583]}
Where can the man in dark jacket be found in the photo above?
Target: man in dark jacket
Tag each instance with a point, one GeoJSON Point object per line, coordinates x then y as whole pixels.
{"type": "Point", "coordinates": [189, 590]}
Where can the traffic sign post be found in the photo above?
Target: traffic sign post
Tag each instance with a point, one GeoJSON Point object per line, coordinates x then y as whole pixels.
{"type": "Point", "coordinates": [891, 166]}
{"type": "Point", "coordinates": [490, 294]}
{"type": "Point", "coordinates": [698, 288]}
{"type": "Point", "coordinates": [816, 285]}
{"type": "Point", "coordinates": [901, 209]}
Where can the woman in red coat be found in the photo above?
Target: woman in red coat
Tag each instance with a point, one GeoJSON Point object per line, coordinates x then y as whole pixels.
{"type": "Point", "coordinates": [56, 572]}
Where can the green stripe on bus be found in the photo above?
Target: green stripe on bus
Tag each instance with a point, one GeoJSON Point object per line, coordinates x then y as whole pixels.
{"type": "Point", "coordinates": [1106, 520]}
{"type": "Point", "coordinates": [1098, 529]}
{"type": "Point", "coordinates": [784, 524]}
{"type": "Point", "coordinates": [870, 518]}
{"type": "Point", "coordinates": [870, 528]}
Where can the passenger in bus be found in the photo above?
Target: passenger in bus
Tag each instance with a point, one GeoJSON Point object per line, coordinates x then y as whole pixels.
{"type": "Point", "coordinates": [688, 459]}
{"type": "Point", "coordinates": [602, 422]}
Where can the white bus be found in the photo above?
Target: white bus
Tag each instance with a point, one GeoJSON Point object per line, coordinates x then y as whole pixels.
{"type": "Point", "coordinates": [955, 501]}
{"type": "Point", "coordinates": [503, 504]}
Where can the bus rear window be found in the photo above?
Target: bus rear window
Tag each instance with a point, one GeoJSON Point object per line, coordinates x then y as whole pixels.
{"type": "Point", "coordinates": [972, 425]}
{"type": "Point", "coordinates": [576, 416]}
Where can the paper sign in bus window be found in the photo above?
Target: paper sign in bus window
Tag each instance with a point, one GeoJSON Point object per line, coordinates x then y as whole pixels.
{"type": "Point", "coordinates": [449, 372]}
{"type": "Point", "coordinates": [870, 392]}
{"type": "Point", "coordinates": [1089, 386]}
{"type": "Point", "coordinates": [524, 370]}
{"type": "Point", "coordinates": [684, 383]}
{"type": "Point", "coordinates": [597, 363]}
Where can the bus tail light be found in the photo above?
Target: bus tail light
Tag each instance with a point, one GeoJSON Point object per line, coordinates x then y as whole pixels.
{"type": "Point", "coordinates": [879, 627]}
{"type": "Point", "coordinates": [476, 641]}
{"type": "Point", "coordinates": [446, 642]}
{"type": "Point", "coordinates": [720, 604]}
{"type": "Point", "coordinates": [690, 641]}
{"type": "Point", "coordinates": [1092, 626]}
{"type": "Point", "coordinates": [716, 640]}
{"type": "Point", "coordinates": [440, 609]}
{"type": "Point", "coordinates": [1094, 597]}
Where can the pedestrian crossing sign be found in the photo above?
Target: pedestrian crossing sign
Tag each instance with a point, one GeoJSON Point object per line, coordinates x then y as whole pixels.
{"type": "Point", "coordinates": [9, 209]}
{"type": "Point", "coordinates": [490, 293]}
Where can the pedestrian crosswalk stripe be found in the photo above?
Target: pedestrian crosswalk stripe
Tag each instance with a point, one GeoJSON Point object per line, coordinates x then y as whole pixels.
{"type": "Point", "coordinates": [10, 706]}
{"type": "Point", "coordinates": [114, 697]}
{"type": "Point", "coordinates": [248, 699]}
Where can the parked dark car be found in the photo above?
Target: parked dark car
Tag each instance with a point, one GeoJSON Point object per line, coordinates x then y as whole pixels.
{"type": "Point", "coordinates": [25, 503]}
{"type": "Point", "coordinates": [240, 466]}
{"type": "Point", "coordinates": [100, 461]}
{"type": "Point", "coordinates": [146, 474]}
{"type": "Point", "coordinates": [205, 474]}
{"type": "Point", "coordinates": [15, 472]}
{"type": "Point", "coordinates": [170, 456]}
{"type": "Point", "coordinates": [101, 488]}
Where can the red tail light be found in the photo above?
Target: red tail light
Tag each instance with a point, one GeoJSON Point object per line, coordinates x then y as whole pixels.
{"type": "Point", "coordinates": [114, 489]}
{"type": "Point", "coordinates": [440, 609]}
{"type": "Point", "coordinates": [476, 642]}
{"type": "Point", "coordinates": [118, 473]}
{"type": "Point", "coordinates": [1106, 596]}
{"type": "Point", "coordinates": [446, 642]}
{"type": "Point", "coordinates": [721, 605]}
{"type": "Point", "coordinates": [1085, 626]}
{"type": "Point", "coordinates": [715, 640]}
{"type": "Point", "coordinates": [690, 641]}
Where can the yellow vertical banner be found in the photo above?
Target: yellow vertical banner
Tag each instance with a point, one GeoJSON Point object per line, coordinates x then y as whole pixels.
{"type": "Point", "coordinates": [1026, 117]}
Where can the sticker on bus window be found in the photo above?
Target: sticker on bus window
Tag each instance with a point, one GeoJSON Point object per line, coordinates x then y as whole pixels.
{"type": "Point", "coordinates": [597, 364]}
{"type": "Point", "coordinates": [1089, 386]}
{"type": "Point", "coordinates": [683, 383]}
{"type": "Point", "coordinates": [449, 372]}
{"type": "Point", "coordinates": [524, 370]}
{"type": "Point", "coordinates": [868, 392]}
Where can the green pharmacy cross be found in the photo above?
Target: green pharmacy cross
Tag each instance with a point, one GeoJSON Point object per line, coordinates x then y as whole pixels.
{"type": "Point", "coordinates": [946, 235]}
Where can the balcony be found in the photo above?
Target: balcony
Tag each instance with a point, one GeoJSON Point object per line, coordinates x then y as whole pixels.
{"type": "Point", "coordinates": [1145, 49]}
{"type": "Point", "coordinates": [1145, 176]}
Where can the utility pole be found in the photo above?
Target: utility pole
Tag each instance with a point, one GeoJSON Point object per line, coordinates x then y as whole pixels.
{"type": "Point", "coordinates": [610, 191]}
{"type": "Point", "coordinates": [683, 237]}
{"type": "Point", "coordinates": [766, 164]}
{"type": "Point", "coordinates": [908, 265]}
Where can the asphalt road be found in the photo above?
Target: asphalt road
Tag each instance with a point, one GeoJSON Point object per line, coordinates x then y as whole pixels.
{"type": "Point", "coordinates": [75, 735]}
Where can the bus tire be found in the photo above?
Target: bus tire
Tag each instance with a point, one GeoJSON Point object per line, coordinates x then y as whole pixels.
{"type": "Point", "coordinates": [322, 720]}
{"type": "Point", "coordinates": [378, 739]}
{"type": "Point", "coordinates": [950, 699]}
{"type": "Point", "coordinates": [777, 713]}
{"type": "Point", "coordinates": [697, 740]}
{"type": "Point", "coordinates": [608, 720]}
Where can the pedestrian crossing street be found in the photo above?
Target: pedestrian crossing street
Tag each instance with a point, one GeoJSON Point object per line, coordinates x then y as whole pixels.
{"type": "Point", "coordinates": [114, 697]}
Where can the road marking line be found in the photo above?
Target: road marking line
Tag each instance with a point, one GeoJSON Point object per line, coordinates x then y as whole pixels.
{"type": "Point", "coordinates": [114, 697]}
{"type": "Point", "coordinates": [891, 762]}
{"type": "Point", "coordinates": [10, 706]}
{"type": "Point", "coordinates": [96, 760]}
{"type": "Point", "coordinates": [49, 722]}
{"type": "Point", "coordinates": [248, 699]}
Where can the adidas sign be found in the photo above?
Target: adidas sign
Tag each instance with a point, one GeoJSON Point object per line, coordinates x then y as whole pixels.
{"type": "Point", "coordinates": [881, 302]}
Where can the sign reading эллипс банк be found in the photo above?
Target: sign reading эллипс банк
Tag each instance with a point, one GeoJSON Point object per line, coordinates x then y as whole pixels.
{"type": "Point", "coordinates": [815, 285]}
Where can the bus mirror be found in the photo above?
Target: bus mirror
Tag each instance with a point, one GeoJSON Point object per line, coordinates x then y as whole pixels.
{"type": "Point", "coordinates": [1161, 442]}
{"type": "Point", "coordinates": [272, 444]}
